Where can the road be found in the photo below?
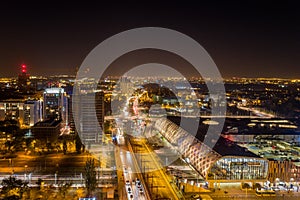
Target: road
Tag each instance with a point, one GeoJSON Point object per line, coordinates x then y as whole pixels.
{"type": "Point", "coordinates": [129, 167]}
{"type": "Point", "coordinates": [157, 181]}
{"type": "Point", "coordinates": [154, 174]}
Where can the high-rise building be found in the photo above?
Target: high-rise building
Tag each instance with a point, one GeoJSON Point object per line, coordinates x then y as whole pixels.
{"type": "Point", "coordinates": [32, 112]}
{"type": "Point", "coordinates": [89, 126]}
{"type": "Point", "coordinates": [71, 123]}
{"type": "Point", "coordinates": [126, 86]}
{"type": "Point", "coordinates": [55, 104]}
{"type": "Point", "coordinates": [23, 80]}
{"type": "Point", "coordinates": [69, 113]}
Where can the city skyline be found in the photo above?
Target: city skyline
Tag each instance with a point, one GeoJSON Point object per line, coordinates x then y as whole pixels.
{"type": "Point", "coordinates": [149, 100]}
{"type": "Point", "coordinates": [150, 130]}
{"type": "Point", "coordinates": [251, 40]}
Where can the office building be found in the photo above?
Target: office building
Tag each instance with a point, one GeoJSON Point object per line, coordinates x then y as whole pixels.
{"type": "Point", "coordinates": [55, 104]}
{"type": "Point", "coordinates": [12, 109]}
{"type": "Point", "coordinates": [25, 112]}
{"type": "Point", "coordinates": [33, 111]}
{"type": "Point", "coordinates": [89, 126]}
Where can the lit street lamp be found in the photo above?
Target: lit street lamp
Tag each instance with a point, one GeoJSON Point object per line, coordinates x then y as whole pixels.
{"type": "Point", "coordinates": [25, 174]}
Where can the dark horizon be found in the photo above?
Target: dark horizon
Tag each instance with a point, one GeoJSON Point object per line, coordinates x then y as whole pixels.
{"type": "Point", "coordinates": [252, 39]}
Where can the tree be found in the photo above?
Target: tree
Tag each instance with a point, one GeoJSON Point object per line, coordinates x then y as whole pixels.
{"type": "Point", "coordinates": [63, 189]}
{"type": "Point", "coordinates": [8, 145]}
{"type": "Point", "coordinates": [39, 183]}
{"type": "Point", "coordinates": [90, 176]}
{"type": "Point", "coordinates": [246, 186]}
{"type": "Point", "coordinates": [65, 147]}
{"type": "Point", "coordinates": [13, 188]}
{"type": "Point", "coordinates": [78, 143]}
{"type": "Point", "coordinates": [79, 193]}
{"type": "Point", "coordinates": [257, 186]}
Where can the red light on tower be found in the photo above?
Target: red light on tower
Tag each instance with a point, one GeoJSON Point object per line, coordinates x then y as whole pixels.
{"type": "Point", "coordinates": [23, 68]}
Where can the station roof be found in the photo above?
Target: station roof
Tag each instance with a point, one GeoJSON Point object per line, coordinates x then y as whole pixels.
{"type": "Point", "coordinates": [223, 146]}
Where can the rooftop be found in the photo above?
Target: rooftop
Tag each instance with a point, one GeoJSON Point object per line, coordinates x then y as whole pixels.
{"type": "Point", "coordinates": [223, 146]}
{"type": "Point", "coordinates": [48, 123]}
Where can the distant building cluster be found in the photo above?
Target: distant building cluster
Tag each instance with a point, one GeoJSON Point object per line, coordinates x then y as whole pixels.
{"type": "Point", "coordinates": [44, 106]}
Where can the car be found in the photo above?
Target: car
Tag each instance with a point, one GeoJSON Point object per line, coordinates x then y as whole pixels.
{"type": "Point", "coordinates": [127, 182]}
{"type": "Point", "coordinates": [131, 196]}
{"type": "Point", "coordinates": [129, 190]}
{"type": "Point", "coordinates": [141, 191]}
{"type": "Point", "coordinates": [139, 185]}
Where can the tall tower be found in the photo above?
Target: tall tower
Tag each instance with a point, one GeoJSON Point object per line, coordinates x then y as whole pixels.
{"type": "Point", "coordinates": [23, 80]}
{"type": "Point", "coordinates": [86, 103]}
{"type": "Point", "coordinates": [55, 104]}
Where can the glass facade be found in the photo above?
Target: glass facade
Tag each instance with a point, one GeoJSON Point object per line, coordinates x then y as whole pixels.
{"type": "Point", "coordinates": [238, 168]}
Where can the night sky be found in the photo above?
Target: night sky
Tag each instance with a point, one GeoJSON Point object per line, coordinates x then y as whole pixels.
{"type": "Point", "coordinates": [245, 40]}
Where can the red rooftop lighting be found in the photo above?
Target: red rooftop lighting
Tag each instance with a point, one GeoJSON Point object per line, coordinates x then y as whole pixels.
{"type": "Point", "coordinates": [24, 68]}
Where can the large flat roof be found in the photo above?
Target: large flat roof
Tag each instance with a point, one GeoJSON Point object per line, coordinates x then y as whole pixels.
{"type": "Point", "coordinates": [226, 147]}
{"type": "Point", "coordinates": [223, 146]}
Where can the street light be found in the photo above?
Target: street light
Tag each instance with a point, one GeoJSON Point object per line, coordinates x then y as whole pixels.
{"type": "Point", "coordinates": [25, 172]}
{"type": "Point", "coordinates": [55, 178]}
